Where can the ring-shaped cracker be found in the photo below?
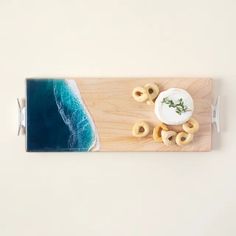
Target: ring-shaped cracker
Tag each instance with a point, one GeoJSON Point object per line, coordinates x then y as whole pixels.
{"type": "Point", "coordinates": [140, 129]}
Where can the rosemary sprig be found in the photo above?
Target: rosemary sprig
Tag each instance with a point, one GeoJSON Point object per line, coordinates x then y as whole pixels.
{"type": "Point", "coordinates": [180, 107]}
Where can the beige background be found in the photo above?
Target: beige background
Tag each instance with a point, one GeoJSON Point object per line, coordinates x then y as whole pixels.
{"type": "Point", "coordinates": [117, 194]}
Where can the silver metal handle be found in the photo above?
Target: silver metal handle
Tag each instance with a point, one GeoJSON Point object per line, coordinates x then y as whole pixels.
{"type": "Point", "coordinates": [216, 114]}
{"type": "Point", "coordinates": [21, 116]}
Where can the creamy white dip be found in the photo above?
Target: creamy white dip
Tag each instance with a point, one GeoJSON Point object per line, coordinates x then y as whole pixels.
{"type": "Point", "coordinates": [172, 115]}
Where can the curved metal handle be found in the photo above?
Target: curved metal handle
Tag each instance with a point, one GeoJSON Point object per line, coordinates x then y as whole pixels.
{"type": "Point", "coordinates": [21, 115]}
{"type": "Point", "coordinates": [216, 114]}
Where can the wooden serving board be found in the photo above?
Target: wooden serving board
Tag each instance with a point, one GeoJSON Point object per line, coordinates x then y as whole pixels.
{"type": "Point", "coordinates": [114, 111]}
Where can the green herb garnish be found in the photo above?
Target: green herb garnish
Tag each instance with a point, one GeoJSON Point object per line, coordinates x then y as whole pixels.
{"type": "Point", "coordinates": [180, 107]}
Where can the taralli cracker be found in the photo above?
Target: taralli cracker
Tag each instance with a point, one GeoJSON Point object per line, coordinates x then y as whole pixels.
{"type": "Point", "coordinates": [168, 137]}
{"type": "Point", "coordinates": [140, 129]}
{"type": "Point", "coordinates": [147, 94]}
{"type": "Point", "coordinates": [139, 94]}
{"type": "Point", "coordinates": [191, 126]}
{"type": "Point", "coordinates": [183, 138]}
{"type": "Point", "coordinates": [157, 132]}
{"type": "Point", "coordinates": [152, 92]}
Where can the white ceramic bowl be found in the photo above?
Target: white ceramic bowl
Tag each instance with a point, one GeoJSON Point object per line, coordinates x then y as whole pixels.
{"type": "Point", "coordinates": [171, 115]}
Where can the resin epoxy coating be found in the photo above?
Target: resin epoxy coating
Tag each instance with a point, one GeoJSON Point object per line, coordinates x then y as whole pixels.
{"type": "Point", "coordinates": [57, 118]}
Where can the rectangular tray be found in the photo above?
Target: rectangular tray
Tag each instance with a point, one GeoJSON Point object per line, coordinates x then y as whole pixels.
{"type": "Point", "coordinates": [109, 110]}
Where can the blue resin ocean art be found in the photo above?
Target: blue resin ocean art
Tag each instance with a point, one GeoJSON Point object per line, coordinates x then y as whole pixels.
{"type": "Point", "coordinates": [57, 118]}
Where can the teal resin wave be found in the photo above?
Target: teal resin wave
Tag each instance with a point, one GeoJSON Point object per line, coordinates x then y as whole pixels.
{"type": "Point", "coordinates": [57, 118]}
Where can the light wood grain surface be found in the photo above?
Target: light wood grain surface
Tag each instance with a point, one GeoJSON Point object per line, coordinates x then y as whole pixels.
{"type": "Point", "coordinates": [114, 111]}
